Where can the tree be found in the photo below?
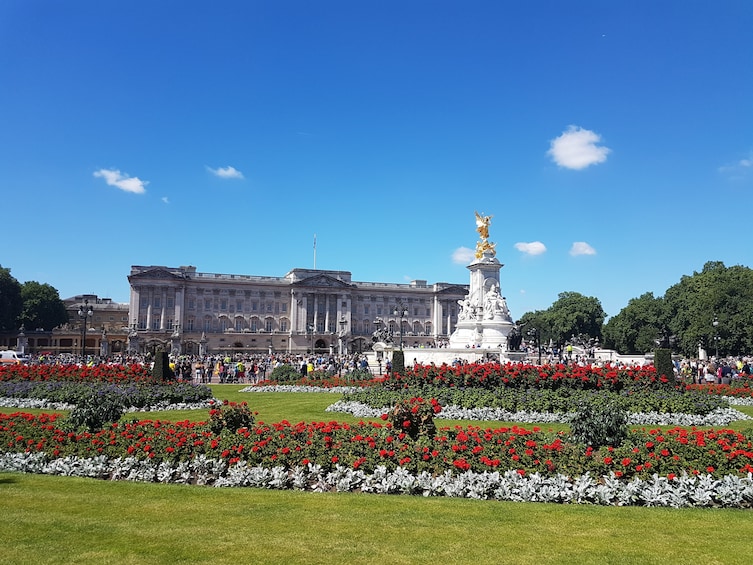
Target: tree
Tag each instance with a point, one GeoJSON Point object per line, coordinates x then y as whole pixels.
{"type": "Point", "coordinates": [574, 314]}
{"type": "Point", "coordinates": [10, 301]}
{"type": "Point", "coordinates": [720, 293]}
{"type": "Point", "coordinates": [571, 314]}
{"type": "Point", "coordinates": [637, 326]}
{"type": "Point", "coordinates": [42, 307]}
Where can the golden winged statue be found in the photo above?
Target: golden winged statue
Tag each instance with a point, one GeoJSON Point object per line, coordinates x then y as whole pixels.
{"type": "Point", "coordinates": [482, 225]}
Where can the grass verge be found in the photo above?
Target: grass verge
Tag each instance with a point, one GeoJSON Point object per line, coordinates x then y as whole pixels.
{"type": "Point", "coordinates": [70, 520]}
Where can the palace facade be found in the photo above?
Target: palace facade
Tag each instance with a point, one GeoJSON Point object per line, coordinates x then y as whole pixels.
{"type": "Point", "coordinates": [193, 313]}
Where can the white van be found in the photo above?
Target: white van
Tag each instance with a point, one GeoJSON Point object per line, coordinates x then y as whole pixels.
{"type": "Point", "coordinates": [12, 358]}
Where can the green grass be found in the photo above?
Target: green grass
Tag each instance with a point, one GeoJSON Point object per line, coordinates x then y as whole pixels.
{"type": "Point", "coordinates": [71, 520]}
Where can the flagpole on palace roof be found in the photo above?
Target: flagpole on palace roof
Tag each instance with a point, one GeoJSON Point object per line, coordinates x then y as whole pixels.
{"type": "Point", "coordinates": [315, 252]}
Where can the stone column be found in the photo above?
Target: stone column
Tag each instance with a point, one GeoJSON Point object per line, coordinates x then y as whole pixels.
{"type": "Point", "coordinates": [180, 297]}
{"type": "Point", "coordinates": [293, 311]}
{"type": "Point", "coordinates": [133, 309]}
{"type": "Point", "coordinates": [436, 318]}
{"type": "Point", "coordinates": [150, 301]}
{"type": "Point", "coordinates": [163, 310]}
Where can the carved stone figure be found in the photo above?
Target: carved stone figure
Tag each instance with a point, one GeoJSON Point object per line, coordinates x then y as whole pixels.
{"type": "Point", "coordinates": [381, 334]}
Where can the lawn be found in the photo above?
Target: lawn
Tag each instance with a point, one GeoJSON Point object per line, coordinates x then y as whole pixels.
{"type": "Point", "coordinates": [70, 520]}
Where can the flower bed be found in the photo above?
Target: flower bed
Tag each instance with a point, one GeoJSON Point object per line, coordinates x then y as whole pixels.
{"type": "Point", "coordinates": [114, 374]}
{"type": "Point", "coordinates": [701, 490]}
{"type": "Point", "coordinates": [675, 467]}
{"type": "Point", "coordinates": [64, 385]}
{"type": "Point", "coordinates": [492, 376]}
{"type": "Point", "coordinates": [718, 417]}
{"type": "Point", "coordinates": [367, 445]}
{"type": "Point", "coordinates": [562, 400]}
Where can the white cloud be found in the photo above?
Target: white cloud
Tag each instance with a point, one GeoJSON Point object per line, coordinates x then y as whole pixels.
{"type": "Point", "coordinates": [463, 256]}
{"type": "Point", "coordinates": [581, 248]}
{"type": "Point", "coordinates": [531, 248]}
{"type": "Point", "coordinates": [165, 200]}
{"type": "Point", "coordinates": [115, 178]}
{"type": "Point", "coordinates": [226, 172]}
{"type": "Point", "coordinates": [740, 169]}
{"type": "Point", "coordinates": [577, 149]}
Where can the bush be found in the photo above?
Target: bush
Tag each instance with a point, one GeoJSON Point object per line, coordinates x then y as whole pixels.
{"type": "Point", "coordinates": [398, 362]}
{"type": "Point", "coordinates": [415, 417]}
{"type": "Point", "coordinates": [230, 416]}
{"type": "Point", "coordinates": [664, 366]}
{"type": "Point", "coordinates": [162, 370]}
{"type": "Point", "coordinates": [94, 411]}
{"type": "Point", "coordinates": [285, 374]}
{"type": "Point", "coordinates": [599, 424]}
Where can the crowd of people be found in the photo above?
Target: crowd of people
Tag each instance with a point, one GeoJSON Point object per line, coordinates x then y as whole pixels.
{"type": "Point", "coordinates": [715, 371]}
{"type": "Point", "coordinates": [255, 368]}
{"type": "Point", "coordinates": [236, 368]}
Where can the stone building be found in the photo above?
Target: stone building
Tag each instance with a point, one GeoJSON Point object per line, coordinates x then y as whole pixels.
{"type": "Point", "coordinates": [102, 332]}
{"type": "Point", "coordinates": [187, 312]}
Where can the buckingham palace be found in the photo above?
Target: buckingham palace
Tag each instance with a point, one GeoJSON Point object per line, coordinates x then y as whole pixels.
{"type": "Point", "coordinates": [193, 313]}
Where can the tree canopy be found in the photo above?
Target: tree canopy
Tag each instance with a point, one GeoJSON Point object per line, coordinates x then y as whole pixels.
{"type": "Point", "coordinates": [720, 293]}
{"type": "Point", "coordinates": [572, 314]}
{"type": "Point", "coordinates": [10, 301]}
{"type": "Point", "coordinates": [688, 311]}
{"type": "Point", "coordinates": [42, 307]}
{"type": "Point", "coordinates": [636, 328]}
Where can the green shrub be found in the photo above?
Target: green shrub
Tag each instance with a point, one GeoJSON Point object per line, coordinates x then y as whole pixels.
{"type": "Point", "coordinates": [398, 362]}
{"type": "Point", "coordinates": [161, 370]}
{"type": "Point", "coordinates": [285, 374]}
{"type": "Point", "coordinates": [664, 366]}
{"type": "Point", "coordinates": [415, 417]}
{"type": "Point", "coordinates": [359, 375]}
{"type": "Point", "coordinates": [599, 424]}
{"type": "Point", "coordinates": [230, 416]}
{"type": "Point", "coordinates": [94, 411]}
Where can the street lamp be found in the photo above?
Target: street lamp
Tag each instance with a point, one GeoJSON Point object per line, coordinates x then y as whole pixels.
{"type": "Point", "coordinates": [401, 311]}
{"type": "Point", "coordinates": [310, 328]}
{"type": "Point", "coordinates": [84, 313]}
{"type": "Point", "coordinates": [715, 323]}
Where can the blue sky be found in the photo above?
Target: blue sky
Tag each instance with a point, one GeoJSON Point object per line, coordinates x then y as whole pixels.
{"type": "Point", "coordinates": [612, 142]}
